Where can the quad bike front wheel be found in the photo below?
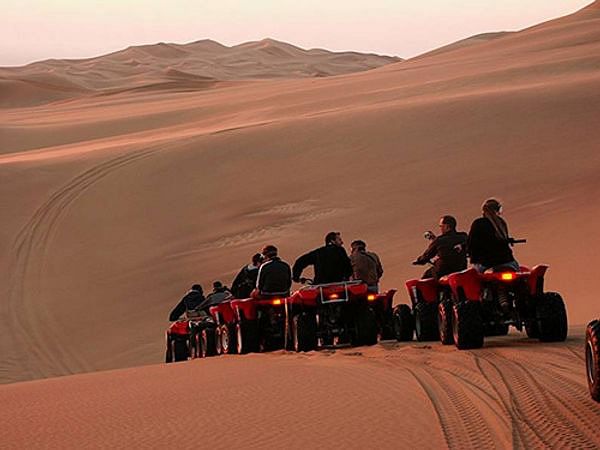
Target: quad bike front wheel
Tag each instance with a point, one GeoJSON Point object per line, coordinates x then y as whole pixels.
{"type": "Point", "coordinates": [404, 325]}
{"type": "Point", "coordinates": [246, 336]}
{"type": "Point", "coordinates": [592, 358]}
{"type": "Point", "coordinates": [551, 316]}
{"type": "Point", "coordinates": [467, 325]}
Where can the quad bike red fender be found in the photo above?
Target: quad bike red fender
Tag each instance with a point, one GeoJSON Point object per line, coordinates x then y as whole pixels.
{"type": "Point", "coordinates": [181, 328]}
{"type": "Point", "coordinates": [384, 298]}
{"type": "Point", "coordinates": [248, 308]}
{"type": "Point", "coordinates": [536, 279]}
{"type": "Point", "coordinates": [310, 295]}
{"type": "Point", "coordinates": [223, 313]}
{"type": "Point", "coordinates": [423, 290]}
{"type": "Point", "coordinates": [466, 285]}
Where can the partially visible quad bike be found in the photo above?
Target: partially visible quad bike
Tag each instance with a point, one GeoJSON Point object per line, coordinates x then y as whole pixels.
{"type": "Point", "coordinates": [204, 340]}
{"type": "Point", "coordinates": [225, 333]}
{"type": "Point", "coordinates": [260, 324]}
{"type": "Point", "coordinates": [333, 314]}
{"type": "Point", "coordinates": [381, 304]}
{"type": "Point", "coordinates": [178, 341]}
{"type": "Point", "coordinates": [592, 358]}
{"type": "Point", "coordinates": [502, 297]}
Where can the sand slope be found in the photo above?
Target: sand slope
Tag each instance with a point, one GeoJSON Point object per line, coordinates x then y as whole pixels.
{"type": "Point", "coordinates": [163, 67]}
{"type": "Point", "coordinates": [512, 394]}
{"type": "Point", "coordinates": [114, 205]}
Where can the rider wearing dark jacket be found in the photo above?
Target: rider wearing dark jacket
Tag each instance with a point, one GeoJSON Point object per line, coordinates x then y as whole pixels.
{"type": "Point", "coordinates": [448, 249]}
{"type": "Point", "coordinates": [489, 242]}
{"type": "Point", "coordinates": [331, 262]}
{"type": "Point", "coordinates": [219, 294]}
{"type": "Point", "coordinates": [245, 280]}
{"type": "Point", "coordinates": [190, 301]}
{"type": "Point", "coordinates": [274, 275]}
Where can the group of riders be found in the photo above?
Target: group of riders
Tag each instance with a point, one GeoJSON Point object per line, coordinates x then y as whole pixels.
{"type": "Point", "coordinates": [487, 245]}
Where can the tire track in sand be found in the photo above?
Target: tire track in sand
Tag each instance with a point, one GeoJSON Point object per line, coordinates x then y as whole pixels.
{"type": "Point", "coordinates": [34, 330]}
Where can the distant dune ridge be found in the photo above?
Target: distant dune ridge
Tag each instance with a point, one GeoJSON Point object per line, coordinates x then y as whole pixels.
{"type": "Point", "coordinates": [113, 205]}
{"type": "Point", "coordinates": [163, 66]}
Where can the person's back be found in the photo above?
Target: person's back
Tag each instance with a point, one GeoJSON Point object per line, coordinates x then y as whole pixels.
{"type": "Point", "coordinates": [488, 242]}
{"type": "Point", "coordinates": [331, 262]}
{"type": "Point", "coordinates": [274, 275]}
{"type": "Point", "coordinates": [245, 281]}
{"type": "Point", "coordinates": [366, 266]}
{"type": "Point", "coordinates": [191, 301]}
{"type": "Point", "coordinates": [219, 294]}
{"type": "Point", "coordinates": [448, 250]}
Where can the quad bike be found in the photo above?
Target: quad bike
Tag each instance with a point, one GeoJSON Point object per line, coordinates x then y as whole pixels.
{"type": "Point", "coordinates": [504, 297]}
{"type": "Point", "coordinates": [427, 296]}
{"type": "Point", "coordinates": [178, 341]}
{"type": "Point", "coordinates": [259, 324]}
{"type": "Point", "coordinates": [225, 331]}
{"type": "Point", "coordinates": [592, 358]}
{"type": "Point", "coordinates": [203, 337]}
{"type": "Point", "coordinates": [333, 314]}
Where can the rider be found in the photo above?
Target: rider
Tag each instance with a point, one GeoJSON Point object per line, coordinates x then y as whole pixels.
{"type": "Point", "coordinates": [190, 302]}
{"type": "Point", "coordinates": [331, 262]}
{"type": "Point", "coordinates": [448, 249]}
{"type": "Point", "coordinates": [489, 242]}
{"type": "Point", "coordinates": [366, 266]}
{"type": "Point", "coordinates": [245, 280]}
{"type": "Point", "coordinates": [274, 276]}
{"type": "Point", "coordinates": [219, 294]}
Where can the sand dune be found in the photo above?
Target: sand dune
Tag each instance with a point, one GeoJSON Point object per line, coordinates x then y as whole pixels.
{"type": "Point", "coordinates": [513, 394]}
{"type": "Point", "coordinates": [152, 67]}
{"type": "Point", "coordinates": [114, 204]}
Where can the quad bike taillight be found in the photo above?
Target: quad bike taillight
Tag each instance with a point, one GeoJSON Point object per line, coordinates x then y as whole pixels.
{"type": "Point", "coordinates": [333, 296]}
{"type": "Point", "coordinates": [276, 301]}
{"type": "Point", "coordinates": [371, 297]}
{"type": "Point", "coordinates": [507, 276]}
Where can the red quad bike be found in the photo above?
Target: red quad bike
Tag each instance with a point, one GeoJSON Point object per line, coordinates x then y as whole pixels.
{"type": "Point", "coordinates": [259, 324]}
{"type": "Point", "coordinates": [501, 297]}
{"type": "Point", "coordinates": [178, 340]}
{"type": "Point", "coordinates": [427, 295]}
{"type": "Point", "coordinates": [203, 336]}
{"type": "Point", "coordinates": [592, 358]}
{"type": "Point", "coordinates": [333, 314]}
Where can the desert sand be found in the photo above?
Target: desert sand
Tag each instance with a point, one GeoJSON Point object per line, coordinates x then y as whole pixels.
{"type": "Point", "coordinates": [115, 202]}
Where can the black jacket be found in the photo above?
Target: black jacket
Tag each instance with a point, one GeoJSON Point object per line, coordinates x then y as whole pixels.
{"type": "Point", "coordinates": [451, 251]}
{"type": "Point", "coordinates": [485, 247]}
{"type": "Point", "coordinates": [274, 277]}
{"type": "Point", "coordinates": [190, 301]}
{"type": "Point", "coordinates": [331, 264]}
{"type": "Point", "coordinates": [216, 297]}
{"type": "Point", "coordinates": [244, 282]}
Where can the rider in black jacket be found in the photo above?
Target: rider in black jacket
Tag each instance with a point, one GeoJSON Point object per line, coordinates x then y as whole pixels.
{"type": "Point", "coordinates": [245, 281]}
{"type": "Point", "coordinates": [190, 301]}
{"type": "Point", "coordinates": [449, 250]}
{"type": "Point", "coordinates": [489, 241]}
{"type": "Point", "coordinates": [331, 262]}
{"type": "Point", "coordinates": [274, 276]}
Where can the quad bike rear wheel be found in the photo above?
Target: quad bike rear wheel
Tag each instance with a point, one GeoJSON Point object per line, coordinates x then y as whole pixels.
{"type": "Point", "coordinates": [304, 332]}
{"type": "Point", "coordinates": [404, 325]}
{"type": "Point", "coordinates": [445, 322]}
{"type": "Point", "coordinates": [532, 330]}
{"type": "Point", "coordinates": [177, 350]}
{"type": "Point", "coordinates": [195, 345]}
{"type": "Point", "coordinates": [208, 342]}
{"type": "Point", "coordinates": [592, 358]}
{"type": "Point", "coordinates": [246, 336]}
{"type": "Point", "coordinates": [467, 326]}
{"type": "Point", "coordinates": [366, 327]}
{"type": "Point", "coordinates": [218, 341]}
{"type": "Point", "coordinates": [426, 321]}
{"type": "Point", "coordinates": [551, 316]}
{"type": "Point", "coordinates": [227, 340]}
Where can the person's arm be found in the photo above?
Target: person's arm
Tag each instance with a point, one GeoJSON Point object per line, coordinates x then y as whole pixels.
{"type": "Point", "coordinates": [429, 253]}
{"type": "Point", "coordinates": [347, 265]}
{"type": "Point", "coordinates": [302, 263]}
{"type": "Point", "coordinates": [260, 282]}
{"type": "Point", "coordinates": [177, 311]}
{"type": "Point", "coordinates": [379, 267]}
{"type": "Point", "coordinates": [238, 280]}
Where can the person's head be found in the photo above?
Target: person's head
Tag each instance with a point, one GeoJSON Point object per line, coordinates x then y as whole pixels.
{"type": "Point", "coordinates": [334, 238]}
{"type": "Point", "coordinates": [217, 285]}
{"type": "Point", "coordinates": [269, 252]}
{"type": "Point", "coordinates": [358, 246]}
{"type": "Point", "coordinates": [491, 206]}
{"type": "Point", "coordinates": [257, 259]}
{"type": "Point", "coordinates": [197, 288]}
{"type": "Point", "coordinates": [447, 224]}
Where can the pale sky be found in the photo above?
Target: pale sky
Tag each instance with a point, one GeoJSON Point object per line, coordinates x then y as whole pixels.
{"type": "Point", "coordinates": [31, 30]}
